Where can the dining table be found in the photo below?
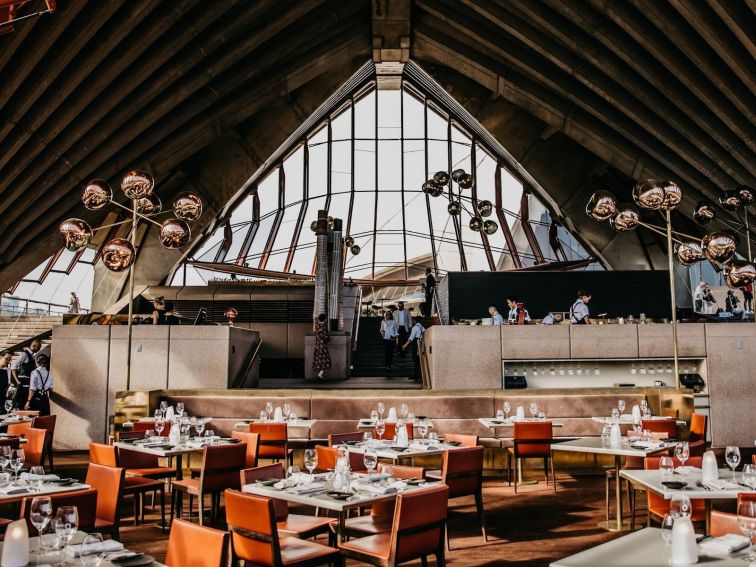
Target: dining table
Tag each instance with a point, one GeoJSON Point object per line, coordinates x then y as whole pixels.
{"type": "Point", "coordinates": [298, 428]}
{"type": "Point", "coordinates": [16, 491]}
{"type": "Point", "coordinates": [386, 449]}
{"type": "Point", "coordinates": [494, 424]}
{"type": "Point", "coordinates": [323, 496]}
{"type": "Point", "coordinates": [12, 418]}
{"type": "Point", "coordinates": [598, 446]}
{"type": "Point", "coordinates": [627, 419]}
{"type": "Point", "coordinates": [646, 547]}
{"type": "Point", "coordinates": [368, 424]}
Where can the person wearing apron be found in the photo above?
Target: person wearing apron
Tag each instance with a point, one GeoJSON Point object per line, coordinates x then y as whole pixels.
{"type": "Point", "coordinates": [40, 387]}
{"type": "Point", "coordinates": [414, 338]}
{"type": "Point", "coordinates": [579, 312]}
{"type": "Point", "coordinates": [25, 365]}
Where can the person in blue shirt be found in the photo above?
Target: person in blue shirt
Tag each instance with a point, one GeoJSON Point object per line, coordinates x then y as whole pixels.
{"type": "Point", "coordinates": [498, 319]}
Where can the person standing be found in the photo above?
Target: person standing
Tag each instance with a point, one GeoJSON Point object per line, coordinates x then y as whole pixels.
{"type": "Point", "coordinates": [518, 315]}
{"type": "Point", "coordinates": [698, 297]}
{"type": "Point", "coordinates": [25, 365]}
{"type": "Point", "coordinates": [403, 325]}
{"type": "Point", "coordinates": [429, 287]}
{"type": "Point", "coordinates": [321, 359]}
{"type": "Point", "coordinates": [414, 340]}
{"type": "Point", "coordinates": [40, 387]}
{"type": "Point", "coordinates": [73, 304]}
{"type": "Point", "coordinates": [498, 319]}
{"type": "Point", "coordinates": [6, 374]}
{"type": "Point", "coordinates": [579, 312]}
{"type": "Point", "coordinates": [389, 334]}
{"type": "Point", "coordinates": [747, 297]}
{"type": "Point", "coordinates": [170, 318]}
{"type": "Point", "coordinates": [158, 314]}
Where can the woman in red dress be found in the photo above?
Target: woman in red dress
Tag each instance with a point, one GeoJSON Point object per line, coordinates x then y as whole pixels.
{"type": "Point", "coordinates": [321, 360]}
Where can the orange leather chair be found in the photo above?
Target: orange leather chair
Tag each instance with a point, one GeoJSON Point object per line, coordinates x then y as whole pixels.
{"type": "Point", "coordinates": [191, 545]}
{"type": "Point", "coordinates": [295, 525]}
{"type": "Point", "coordinates": [381, 516]}
{"type": "Point", "coordinates": [253, 446]}
{"type": "Point", "coordinates": [47, 423]}
{"type": "Point", "coordinates": [390, 432]}
{"type": "Point", "coordinates": [220, 469]}
{"type": "Point", "coordinates": [466, 440]}
{"type": "Point", "coordinates": [341, 438]}
{"type": "Point", "coordinates": [254, 536]}
{"type": "Point", "coordinates": [532, 440]}
{"type": "Point", "coordinates": [125, 435]}
{"type": "Point", "coordinates": [462, 472]}
{"type": "Point", "coordinates": [668, 426]}
{"type": "Point", "coordinates": [84, 500]}
{"type": "Point", "coordinates": [417, 531]}
{"type": "Point", "coordinates": [274, 440]}
{"type": "Point", "coordinates": [723, 523]}
{"type": "Point", "coordinates": [658, 507]}
{"type": "Point", "coordinates": [327, 459]}
{"type": "Point", "coordinates": [108, 482]}
{"type": "Point", "coordinates": [142, 425]}
{"type": "Point", "coordinates": [18, 429]}
{"type": "Point", "coordinates": [35, 447]}
{"type": "Point", "coordinates": [697, 428]}
{"type": "Point", "coordinates": [102, 454]}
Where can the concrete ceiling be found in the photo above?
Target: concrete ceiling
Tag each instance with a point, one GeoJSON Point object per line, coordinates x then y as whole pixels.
{"type": "Point", "coordinates": [585, 94]}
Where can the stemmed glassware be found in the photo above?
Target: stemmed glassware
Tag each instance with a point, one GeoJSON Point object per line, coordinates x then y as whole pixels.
{"type": "Point", "coordinates": [621, 406]}
{"type": "Point", "coordinates": [159, 426]}
{"type": "Point", "coordinates": [404, 408]}
{"type": "Point", "coordinates": [286, 411]}
{"type": "Point", "coordinates": [8, 405]}
{"type": "Point", "coordinates": [381, 409]}
{"type": "Point", "coordinates": [747, 524]}
{"type": "Point", "coordinates": [5, 456]}
{"type": "Point", "coordinates": [682, 452]}
{"type": "Point", "coordinates": [17, 461]}
{"type": "Point", "coordinates": [92, 550]}
{"type": "Point", "coordinates": [507, 409]}
{"type": "Point", "coordinates": [637, 427]}
{"type": "Point", "coordinates": [380, 428]}
{"type": "Point", "coordinates": [367, 437]}
{"type": "Point", "coordinates": [422, 428]}
{"type": "Point", "coordinates": [644, 407]}
{"type": "Point", "coordinates": [666, 528]}
{"type": "Point", "coordinates": [180, 408]}
{"type": "Point", "coordinates": [534, 410]}
{"type": "Point", "coordinates": [37, 476]}
{"type": "Point", "coordinates": [666, 466]}
{"type": "Point", "coordinates": [680, 506]}
{"type": "Point", "coordinates": [615, 414]}
{"type": "Point", "coordinates": [40, 513]}
{"type": "Point", "coordinates": [732, 457]}
{"type": "Point", "coordinates": [373, 416]}
{"type": "Point", "coordinates": [163, 406]}
{"type": "Point", "coordinates": [310, 460]}
{"type": "Point", "coordinates": [370, 458]}
{"type": "Point", "coordinates": [269, 410]}
{"type": "Point", "coordinates": [199, 427]}
{"type": "Point", "coordinates": [66, 523]}
{"type": "Point", "coordinates": [749, 476]}
{"type": "Point", "coordinates": [158, 414]}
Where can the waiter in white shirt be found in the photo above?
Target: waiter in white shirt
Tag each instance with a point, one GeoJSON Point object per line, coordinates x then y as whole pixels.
{"type": "Point", "coordinates": [498, 320]}
{"type": "Point", "coordinates": [579, 312]}
{"type": "Point", "coordinates": [415, 335]}
{"type": "Point", "coordinates": [514, 311]}
{"type": "Point", "coordinates": [403, 324]}
{"type": "Point", "coordinates": [389, 334]}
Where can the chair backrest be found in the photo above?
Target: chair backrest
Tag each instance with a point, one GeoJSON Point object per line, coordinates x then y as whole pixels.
{"type": "Point", "coordinates": [274, 439]}
{"type": "Point", "coordinates": [142, 425]}
{"type": "Point", "coordinates": [84, 500]}
{"type": "Point", "coordinates": [668, 426]}
{"type": "Point", "coordinates": [221, 465]}
{"type": "Point", "coordinates": [462, 471]}
{"type": "Point", "coordinates": [339, 438]}
{"type": "Point", "coordinates": [102, 454]}
{"type": "Point", "coordinates": [267, 472]}
{"type": "Point", "coordinates": [252, 523]}
{"type": "Point", "coordinates": [658, 502]}
{"type": "Point", "coordinates": [123, 435]}
{"type": "Point", "coordinates": [385, 508]}
{"type": "Point", "coordinates": [192, 545]}
{"type": "Point", "coordinates": [722, 523]}
{"type": "Point", "coordinates": [697, 448]}
{"type": "Point", "coordinates": [390, 432]}
{"type": "Point", "coordinates": [36, 446]}
{"type": "Point", "coordinates": [670, 412]}
{"type": "Point", "coordinates": [697, 427]}
{"type": "Point", "coordinates": [419, 523]}
{"type": "Point", "coordinates": [18, 429]}
{"type": "Point", "coordinates": [108, 482]}
{"type": "Point", "coordinates": [466, 440]}
{"type": "Point", "coordinates": [327, 459]}
{"type": "Point", "coordinates": [45, 422]}
{"type": "Point", "coordinates": [131, 459]}
{"type": "Point", "coordinates": [746, 497]}
{"type": "Point", "coordinates": [539, 433]}
{"type": "Point", "coordinates": [253, 446]}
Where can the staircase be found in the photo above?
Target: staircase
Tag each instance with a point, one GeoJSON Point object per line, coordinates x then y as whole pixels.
{"type": "Point", "coordinates": [368, 361]}
{"type": "Point", "coordinates": [15, 329]}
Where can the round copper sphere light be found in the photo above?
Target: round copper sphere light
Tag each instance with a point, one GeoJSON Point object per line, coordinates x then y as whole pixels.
{"type": "Point", "coordinates": [137, 184]}
{"type": "Point", "coordinates": [746, 195]}
{"type": "Point", "coordinates": [739, 273]}
{"type": "Point", "coordinates": [466, 181]}
{"type": "Point", "coordinates": [349, 242]}
{"type": "Point", "coordinates": [457, 174]}
{"type": "Point", "coordinates": [188, 207]}
{"type": "Point", "coordinates": [149, 205]}
{"type": "Point", "coordinates": [626, 218]}
{"type": "Point", "coordinates": [355, 250]}
{"type": "Point", "coordinates": [672, 195]}
{"type": "Point", "coordinates": [649, 194]}
{"type": "Point", "coordinates": [476, 224]}
{"type": "Point", "coordinates": [231, 314]}
{"type": "Point", "coordinates": [490, 227]}
{"type": "Point", "coordinates": [485, 208]}
{"type": "Point", "coordinates": [174, 233]}
{"type": "Point", "coordinates": [601, 206]}
{"type": "Point", "coordinates": [118, 255]}
{"type": "Point", "coordinates": [719, 246]}
{"type": "Point", "coordinates": [704, 212]}
{"type": "Point", "coordinates": [454, 208]}
{"type": "Point", "coordinates": [729, 200]}
{"type": "Point", "coordinates": [96, 194]}
{"type": "Point", "coordinates": [441, 178]}
{"type": "Point", "coordinates": [429, 187]}
{"type": "Point", "coordinates": [76, 233]}
{"type": "Point", "coordinates": [689, 253]}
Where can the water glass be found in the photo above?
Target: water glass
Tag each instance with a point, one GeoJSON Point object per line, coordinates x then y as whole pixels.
{"type": "Point", "coordinates": [163, 405]}
{"type": "Point", "coordinates": [158, 414]}
{"type": "Point", "coordinates": [621, 406]}
{"type": "Point", "coordinates": [380, 428]}
{"type": "Point", "coordinates": [310, 460]}
{"type": "Point", "coordinates": [286, 411]}
{"type": "Point", "coordinates": [66, 523]}
{"type": "Point", "coordinates": [615, 414]}
{"type": "Point", "coordinates": [367, 437]}
{"type": "Point", "coordinates": [373, 416]}
{"type": "Point", "coordinates": [666, 528]}
{"type": "Point", "coordinates": [199, 427]}
{"type": "Point", "coordinates": [17, 461]}
{"type": "Point", "coordinates": [666, 466]}
{"type": "Point", "coordinates": [682, 452]}
{"type": "Point", "coordinates": [370, 458]}
{"type": "Point", "coordinates": [541, 416]}
{"type": "Point", "coordinates": [422, 428]}
{"type": "Point", "coordinates": [749, 476]}
{"type": "Point", "coordinates": [381, 409]}
{"type": "Point", "coordinates": [37, 476]}
{"type": "Point", "coordinates": [732, 457]}
{"type": "Point", "coordinates": [404, 409]}
{"type": "Point", "coordinates": [747, 524]}
{"type": "Point", "coordinates": [5, 456]}
{"type": "Point", "coordinates": [499, 415]}
{"type": "Point", "coordinates": [269, 409]}
{"type": "Point", "coordinates": [637, 427]}
{"type": "Point", "coordinates": [292, 416]}
{"type": "Point", "coordinates": [507, 408]}
{"type": "Point", "coordinates": [159, 426]}
{"type": "Point", "coordinates": [40, 513]}
{"type": "Point", "coordinates": [92, 550]}
{"type": "Point", "coordinates": [680, 506]}
{"type": "Point", "coordinates": [149, 434]}
{"type": "Point", "coordinates": [386, 469]}
{"type": "Point", "coordinates": [263, 415]}
{"type": "Point", "coordinates": [180, 408]}
{"type": "Point", "coordinates": [534, 409]}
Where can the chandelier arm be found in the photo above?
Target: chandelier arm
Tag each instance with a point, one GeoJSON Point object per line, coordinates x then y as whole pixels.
{"type": "Point", "coordinates": [141, 216]}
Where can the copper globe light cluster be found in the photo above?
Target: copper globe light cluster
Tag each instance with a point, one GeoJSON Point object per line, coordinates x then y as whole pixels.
{"type": "Point", "coordinates": [479, 221]}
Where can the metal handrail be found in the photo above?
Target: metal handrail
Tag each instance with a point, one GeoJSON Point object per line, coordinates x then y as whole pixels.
{"type": "Point", "coordinates": [16, 309]}
{"type": "Point", "coordinates": [26, 342]}
{"type": "Point", "coordinates": [243, 376]}
{"type": "Point", "coordinates": [356, 319]}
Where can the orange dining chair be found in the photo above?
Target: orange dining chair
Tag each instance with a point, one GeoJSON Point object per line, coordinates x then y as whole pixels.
{"type": "Point", "coordinates": [220, 469]}
{"type": "Point", "coordinates": [723, 523]}
{"type": "Point", "coordinates": [128, 435]}
{"type": "Point", "coordinates": [191, 545]}
{"type": "Point", "coordinates": [108, 482]}
{"type": "Point", "coordinates": [255, 539]}
{"type": "Point", "coordinates": [18, 429]}
{"type": "Point", "coordinates": [417, 531]}
{"type": "Point", "coordinates": [465, 440]}
{"type": "Point", "coordinates": [341, 438]}
{"type": "Point", "coordinates": [697, 428]}
{"type": "Point", "coordinates": [142, 425]}
{"type": "Point", "coordinates": [390, 432]}
{"type": "Point", "coordinates": [532, 440]}
{"type": "Point", "coordinates": [381, 515]}
{"type": "Point", "coordinates": [84, 500]}
{"type": "Point", "coordinates": [658, 507]}
{"type": "Point", "coordinates": [35, 447]}
{"type": "Point", "coordinates": [274, 441]}
{"type": "Point", "coordinates": [670, 412]}
{"type": "Point", "coordinates": [295, 525]}
{"type": "Point", "coordinates": [253, 446]}
{"type": "Point", "coordinates": [462, 472]}
{"type": "Point", "coordinates": [102, 454]}
{"type": "Point", "coordinates": [47, 423]}
{"type": "Point", "coordinates": [327, 459]}
{"type": "Point", "coordinates": [668, 426]}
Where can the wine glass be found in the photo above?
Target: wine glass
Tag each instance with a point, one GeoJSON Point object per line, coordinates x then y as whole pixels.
{"type": "Point", "coordinates": [666, 528]}
{"type": "Point", "coordinates": [747, 524]}
{"type": "Point", "coordinates": [209, 434]}
{"type": "Point", "coordinates": [37, 476]}
{"type": "Point", "coordinates": [404, 408]}
{"type": "Point", "coordinates": [199, 427]}
{"type": "Point", "coordinates": [5, 457]}
{"type": "Point", "coordinates": [507, 409]}
{"type": "Point", "coordinates": [644, 406]}
{"type": "Point", "coordinates": [381, 409]}
{"type": "Point", "coordinates": [749, 476]}
{"type": "Point", "coordinates": [180, 408]}
{"type": "Point", "coordinates": [158, 414]}
{"type": "Point", "coordinates": [17, 461]}
{"type": "Point", "coordinates": [534, 410]}
{"type": "Point", "coordinates": [286, 411]}
{"type": "Point", "coordinates": [8, 405]}
{"type": "Point", "coordinates": [386, 469]}
{"type": "Point", "coordinates": [666, 466]}
{"type": "Point", "coordinates": [263, 415]}
{"type": "Point", "coordinates": [621, 406]}
{"type": "Point", "coordinates": [149, 434]}
{"type": "Point", "coordinates": [40, 513]}
{"type": "Point", "coordinates": [293, 470]}
{"type": "Point", "coordinates": [269, 409]}
{"type": "Point", "coordinates": [159, 426]}
{"type": "Point", "coordinates": [367, 437]}
{"type": "Point", "coordinates": [92, 550]}
{"type": "Point", "coordinates": [163, 405]}
{"type": "Point", "coordinates": [66, 523]}
{"type": "Point", "coordinates": [615, 414]}
{"type": "Point", "coordinates": [370, 458]}
{"type": "Point", "coordinates": [732, 457]}
{"type": "Point", "coordinates": [682, 452]}
{"type": "Point", "coordinates": [310, 460]}
{"type": "Point", "coordinates": [380, 428]}
{"type": "Point", "coordinates": [637, 427]}
{"type": "Point", "coordinates": [422, 428]}
{"type": "Point", "coordinates": [499, 415]}
{"type": "Point", "coordinates": [373, 416]}
{"type": "Point", "coordinates": [680, 506]}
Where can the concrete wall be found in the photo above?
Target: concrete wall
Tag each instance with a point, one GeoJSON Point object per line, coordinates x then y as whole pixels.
{"type": "Point", "coordinates": [89, 368]}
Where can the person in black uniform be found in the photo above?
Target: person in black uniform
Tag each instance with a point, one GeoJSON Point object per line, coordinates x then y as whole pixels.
{"type": "Point", "coordinates": [170, 318]}
{"type": "Point", "coordinates": [25, 365]}
{"type": "Point", "coordinates": [40, 387]}
{"type": "Point", "coordinates": [415, 335]}
{"type": "Point", "coordinates": [430, 287]}
{"type": "Point", "coordinates": [6, 374]}
{"type": "Point", "coordinates": [158, 315]}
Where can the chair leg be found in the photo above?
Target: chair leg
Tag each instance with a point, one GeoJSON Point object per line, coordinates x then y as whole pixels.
{"type": "Point", "coordinates": [440, 559]}
{"type": "Point", "coordinates": [424, 561]}
{"type": "Point", "coordinates": [136, 508]}
{"type": "Point", "coordinates": [607, 483]}
{"type": "Point", "coordinates": [517, 472]}
{"type": "Point", "coordinates": [509, 469]}
{"type": "Point", "coordinates": [162, 507]}
{"type": "Point", "coordinates": [546, 469]}
{"type": "Point", "coordinates": [553, 476]}
{"type": "Point", "coordinates": [481, 513]}
{"type": "Point", "coordinates": [201, 506]}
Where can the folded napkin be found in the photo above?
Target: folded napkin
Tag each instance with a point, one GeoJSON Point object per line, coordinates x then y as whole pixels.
{"type": "Point", "coordinates": [649, 444]}
{"type": "Point", "coordinates": [12, 490]}
{"type": "Point", "coordinates": [108, 546]}
{"type": "Point", "coordinates": [309, 487]}
{"type": "Point", "coordinates": [391, 416]}
{"type": "Point", "coordinates": [626, 417]}
{"type": "Point", "coordinates": [688, 470]}
{"type": "Point", "coordinates": [722, 544]}
{"type": "Point", "coordinates": [721, 484]}
{"type": "Point", "coordinates": [45, 478]}
{"type": "Point", "coordinates": [379, 489]}
{"type": "Point", "coordinates": [169, 413]}
{"type": "Point", "coordinates": [375, 477]}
